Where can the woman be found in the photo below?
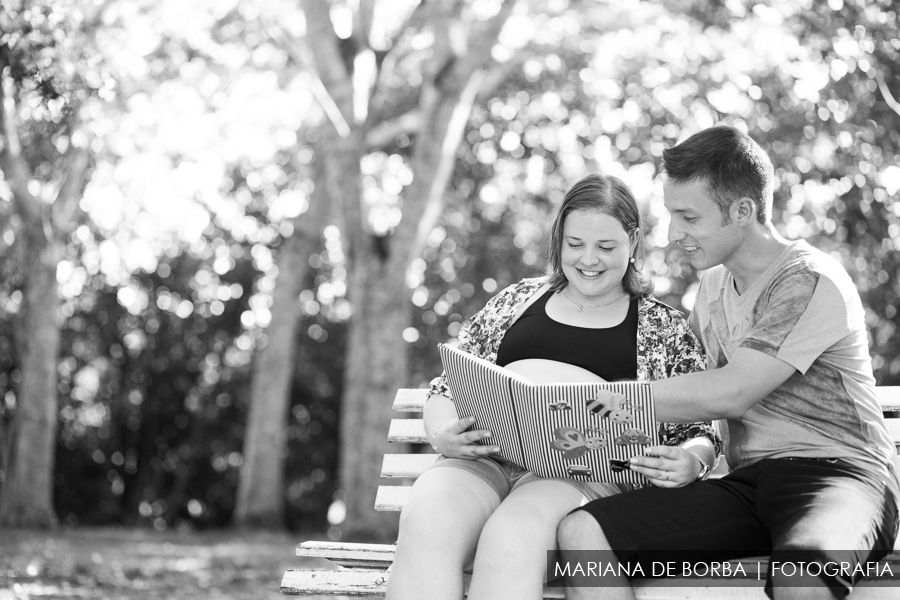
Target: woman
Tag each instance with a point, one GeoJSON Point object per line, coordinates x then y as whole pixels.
{"type": "Point", "coordinates": [589, 319]}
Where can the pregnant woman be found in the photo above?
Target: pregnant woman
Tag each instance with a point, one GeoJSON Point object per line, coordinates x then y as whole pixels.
{"type": "Point", "coordinates": [589, 319]}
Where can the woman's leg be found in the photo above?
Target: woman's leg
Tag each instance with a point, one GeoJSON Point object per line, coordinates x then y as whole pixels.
{"type": "Point", "coordinates": [439, 528]}
{"type": "Point", "coordinates": [511, 559]}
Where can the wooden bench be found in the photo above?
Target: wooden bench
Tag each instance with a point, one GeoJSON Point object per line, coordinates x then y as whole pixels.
{"type": "Point", "coordinates": [361, 569]}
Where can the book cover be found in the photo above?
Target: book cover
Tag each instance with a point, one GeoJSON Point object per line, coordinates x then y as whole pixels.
{"type": "Point", "coordinates": [568, 430]}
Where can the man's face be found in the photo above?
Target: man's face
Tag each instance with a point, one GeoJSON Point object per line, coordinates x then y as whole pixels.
{"type": "Point", "coordinates": [698, 225]}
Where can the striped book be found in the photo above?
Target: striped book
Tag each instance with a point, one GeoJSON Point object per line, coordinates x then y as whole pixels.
{"type": "Point", "coordinates": [585, 431]}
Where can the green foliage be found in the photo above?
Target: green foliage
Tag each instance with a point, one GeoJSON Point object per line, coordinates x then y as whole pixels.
{"type": "Point", "coordinates": [150, 395]}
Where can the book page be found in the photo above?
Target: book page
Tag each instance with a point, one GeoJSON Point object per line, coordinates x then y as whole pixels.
{"type": "Point", "coordinates": [573, 430]}
{"type": "Point", "coordinates": [482, 389]}
{"type": "Point", "coordinates": [569, 430]}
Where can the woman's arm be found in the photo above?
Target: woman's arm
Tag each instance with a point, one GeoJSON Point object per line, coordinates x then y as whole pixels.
{"type": "Point", "coordinates": [439, 411]}
{"type": "Point", "coordinates": [447, 432]}
{"type": "Point", "coordinates": [479, 335]}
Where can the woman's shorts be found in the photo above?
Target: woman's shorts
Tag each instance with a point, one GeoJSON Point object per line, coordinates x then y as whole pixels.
{"type": "Point", "coordinates": [504, 477]}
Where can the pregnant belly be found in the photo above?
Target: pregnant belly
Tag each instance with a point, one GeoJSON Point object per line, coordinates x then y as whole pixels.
{"type": "Point", "coordinates": [541, 370]}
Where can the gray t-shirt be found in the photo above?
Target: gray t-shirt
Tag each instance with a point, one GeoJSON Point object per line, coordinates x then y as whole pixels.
{"type": "Point", "coordinates": [805, 311]}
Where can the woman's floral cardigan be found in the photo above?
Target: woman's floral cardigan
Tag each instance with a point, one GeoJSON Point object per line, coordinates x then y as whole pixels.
{"type": "Point", "coordinates": [666, 347]}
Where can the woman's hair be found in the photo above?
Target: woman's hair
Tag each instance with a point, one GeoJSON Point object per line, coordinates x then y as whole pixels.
{"type": "Point", "coordinates": [610, 196]}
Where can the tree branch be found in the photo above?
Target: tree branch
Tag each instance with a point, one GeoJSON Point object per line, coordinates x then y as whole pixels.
{"type": "Point", "coordinates": [307, 61]}
{"type": "Point", "coordinates": [442, 54]}
{"type": "Point", "coordinates": [416, 17]}
{"type": "Point", "coordinates": [888, 97]}
{"type": "Point", "coordinates": [325, 50]}
{"type": "Point", "coordinates": [445, 107]}
{"type": "Point", "coordinates": [77, 157]}
{"type": "Point", "coordinates": [500, 73]}
{"type": "Point", "coordinates": [15, 171]}
{"type": "Point", "coordinates": [362, 23]}
{"type": "Point", "coordinates": [390, 126]}
{"type": "Point", "coordinates": [484, 37]}
{"type": "Point", "coordinates": [439, 180]}
{"type": "Point", "coordinates": [380, 92]}
{"type": "Point", "coordinates": [385, 132]}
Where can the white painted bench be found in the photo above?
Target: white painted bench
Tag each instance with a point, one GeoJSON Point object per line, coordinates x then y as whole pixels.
{"type": "Point", "coordinates": [361, 569]}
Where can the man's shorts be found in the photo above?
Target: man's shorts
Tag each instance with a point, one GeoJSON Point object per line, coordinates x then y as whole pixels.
{"type": "Point", "coordinates": [505, 476]}
{"type": "Point", "coordinates": [822, 509]}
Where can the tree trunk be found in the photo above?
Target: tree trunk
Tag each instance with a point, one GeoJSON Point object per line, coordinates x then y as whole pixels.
{"type": "Point", "coordinates": [260, 498]}
{"type": "Point", "coordinates": [376, 360]}
{"type": "Point", "coordinates": [376, 365]}
{"type": "Point", "coordinates": [27, 495]}
{"type": "Point", "coordinates": [26, 499]}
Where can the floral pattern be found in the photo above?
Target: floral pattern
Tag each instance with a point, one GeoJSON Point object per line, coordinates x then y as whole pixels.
{"type": "Point", "coordinates": [666, 347]}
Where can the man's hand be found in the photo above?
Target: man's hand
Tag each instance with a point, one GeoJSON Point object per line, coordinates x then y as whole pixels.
{"type": "Point", "coordinates": [453, 441]}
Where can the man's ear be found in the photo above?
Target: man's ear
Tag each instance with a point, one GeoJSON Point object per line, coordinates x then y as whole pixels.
{"type": "Point", "coordinates": [743, 211]}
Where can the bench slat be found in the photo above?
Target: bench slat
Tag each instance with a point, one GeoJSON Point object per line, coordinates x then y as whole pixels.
{"type": "Point", "coordinates": [413, 465]}
{"type": "Point", "coordinates": [894, 427]}
{"type": "Point", "coordinates": [407, 431]}
{"type": "Point", "coordinates": [356, 582]}
{"type": "Point", "coordinates": [304, 582]}
{"type": "Point", "coordinates": [889, 397]}
{"type": "Point", "coordinates": [391, 497]}
{"type": "Point", "coordinates": [412, 431]}
{"type": "Point", "coordinates": [362, 566]}
{"type": "Point", "coordinates": [359, 583]}
{"type": "Point", "coordinates": [412, 400]}
{"type": "Point", "coordinates": [382, 555]}
{"type": "Point", "coordinates": [372, 556]}
{"type": "Point", "coordinates": [406, 465]}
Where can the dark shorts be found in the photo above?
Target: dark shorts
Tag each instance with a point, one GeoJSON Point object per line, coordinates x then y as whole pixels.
{"type": "Point", "coordinates": [819, 509]}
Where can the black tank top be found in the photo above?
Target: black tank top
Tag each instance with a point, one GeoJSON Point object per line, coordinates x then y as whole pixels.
{"type": "Point", "coordinates": [610, 352]}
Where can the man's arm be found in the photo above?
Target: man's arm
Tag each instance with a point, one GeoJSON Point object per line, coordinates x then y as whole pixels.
{"type": "Point", "coordinates": [725, 393]}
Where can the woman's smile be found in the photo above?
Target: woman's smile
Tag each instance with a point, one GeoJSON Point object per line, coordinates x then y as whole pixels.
{"type": "Point", "coordinates": [595, 253]}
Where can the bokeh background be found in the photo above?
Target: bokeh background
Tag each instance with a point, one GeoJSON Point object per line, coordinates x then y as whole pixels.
{"type": "Point", "coordinates": [229, 231]}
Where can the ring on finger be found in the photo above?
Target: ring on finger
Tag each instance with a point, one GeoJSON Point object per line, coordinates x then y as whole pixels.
{"type": "Point", "coordinates": [667, 475]}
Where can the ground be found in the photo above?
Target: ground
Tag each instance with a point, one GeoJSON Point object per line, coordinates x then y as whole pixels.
{"type": "Point", "coordinates": [119, 564]}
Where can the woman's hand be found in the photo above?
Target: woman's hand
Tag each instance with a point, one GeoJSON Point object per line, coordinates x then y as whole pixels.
{"type": "Point", "coordinates": [667, 466]}
{"type": "Point", "coordinates": [453, 441]}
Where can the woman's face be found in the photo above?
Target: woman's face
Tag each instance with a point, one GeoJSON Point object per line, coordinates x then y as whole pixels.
{"type": "Point", "coordinates": [595, 253]}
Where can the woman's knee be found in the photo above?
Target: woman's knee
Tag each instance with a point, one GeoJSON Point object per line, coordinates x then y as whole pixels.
{"type": "Point", "coordinates": [449, 511]}
{"type": "Point", "coordinates": [513, 537]}
{"type": "Point", "coordinates": [426, 516]}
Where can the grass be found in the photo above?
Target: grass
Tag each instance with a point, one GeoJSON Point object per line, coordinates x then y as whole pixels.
{"type": "Point", "coordinates": [118, 564]}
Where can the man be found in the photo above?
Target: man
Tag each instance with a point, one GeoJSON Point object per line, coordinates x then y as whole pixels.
{"type": "Point", "coordinates": [812, 472]}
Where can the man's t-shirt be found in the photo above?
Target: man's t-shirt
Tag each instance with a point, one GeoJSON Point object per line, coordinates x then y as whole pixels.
{"type": "Point", "coordinates": [805, 311]}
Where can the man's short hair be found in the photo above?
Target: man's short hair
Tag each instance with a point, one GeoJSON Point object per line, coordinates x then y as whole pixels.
{"type": "Point", "coordinates": [729, 162]}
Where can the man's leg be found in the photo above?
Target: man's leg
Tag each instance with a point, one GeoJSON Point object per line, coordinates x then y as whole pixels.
{"type": "Point", "coordinates": [580, 532]}
{"type": "Point", "coordinates": [822, 512]}
{"type": "Point", "coordinates": [706, 521]}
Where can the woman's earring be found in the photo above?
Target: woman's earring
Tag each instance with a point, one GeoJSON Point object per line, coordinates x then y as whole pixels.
{"type": "Point", "coordinates": [631, 260]}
